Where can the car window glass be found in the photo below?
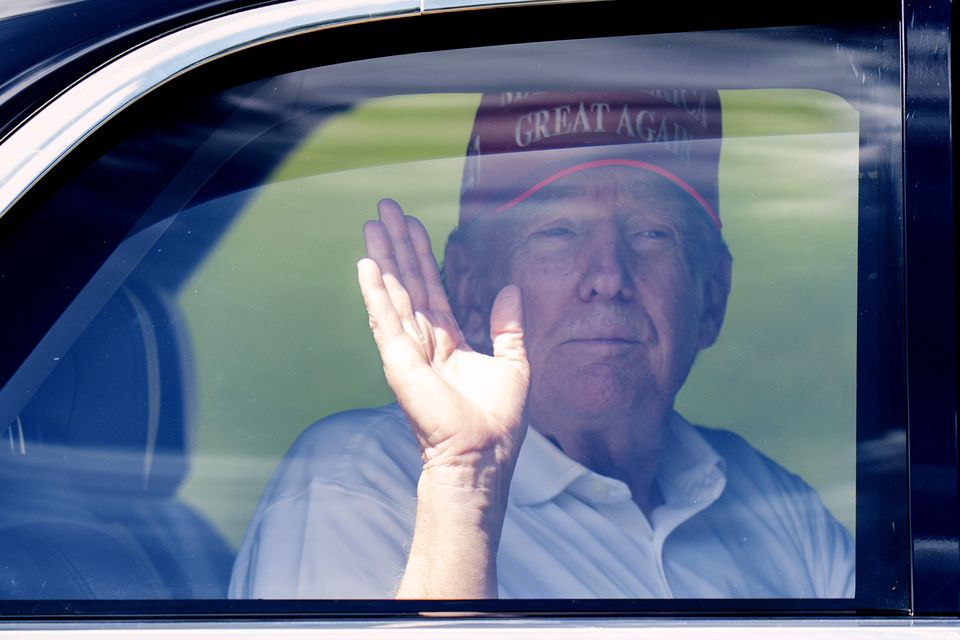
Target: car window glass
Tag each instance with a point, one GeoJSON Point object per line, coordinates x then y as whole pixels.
{"type": "Point", "coordinates": [222, 325]}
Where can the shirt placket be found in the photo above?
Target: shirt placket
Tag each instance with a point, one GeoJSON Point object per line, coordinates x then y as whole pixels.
{"type": "Point", "coordinates": [612, 499]}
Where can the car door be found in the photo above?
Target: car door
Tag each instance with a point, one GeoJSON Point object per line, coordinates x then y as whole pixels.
{"type": "Point", "coordinates": [180, 230]}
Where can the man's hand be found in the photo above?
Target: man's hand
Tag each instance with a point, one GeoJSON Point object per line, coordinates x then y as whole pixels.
{"type": "Point", "coordinates": [466, 408]}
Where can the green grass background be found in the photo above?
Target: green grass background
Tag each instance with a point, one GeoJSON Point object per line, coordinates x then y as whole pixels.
{"type": "Point", "coordinates": [280, 332]}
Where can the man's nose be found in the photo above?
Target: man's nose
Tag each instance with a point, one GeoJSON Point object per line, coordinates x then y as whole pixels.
{"type": "Point", "coordinates": [606, 268]}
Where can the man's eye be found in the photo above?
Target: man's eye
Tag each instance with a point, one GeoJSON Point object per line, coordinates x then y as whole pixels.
{"type": "Point", "coordinates": [651, 234]}
{"type": "Point", "coordinates": [555, 232]}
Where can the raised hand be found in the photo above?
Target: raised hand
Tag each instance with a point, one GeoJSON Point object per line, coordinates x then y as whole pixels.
{"type": "Point", "coordinates": [466, 408]}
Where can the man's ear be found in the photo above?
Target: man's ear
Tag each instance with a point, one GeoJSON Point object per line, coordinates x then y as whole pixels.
{"type": "Point", "coordinates": [461, 279]}
{"type": "Point", "coordinates": [716, 290]}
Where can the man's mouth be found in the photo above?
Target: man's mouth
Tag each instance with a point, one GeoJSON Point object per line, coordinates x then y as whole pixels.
{"type": "Point", "coordinates": [600, 339]}
{"type": "Point", "coordinates": [601, 348]}
{"type": "Point", "coordinates": [605, 340]}
{"type": "Point", "coordinates": [613, 333]}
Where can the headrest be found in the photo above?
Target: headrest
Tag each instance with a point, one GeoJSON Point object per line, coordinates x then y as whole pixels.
{"type": "Point", "coordinates": [114, 415]}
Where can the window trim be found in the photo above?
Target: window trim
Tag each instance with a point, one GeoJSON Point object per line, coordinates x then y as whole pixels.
{"type": "Point", "coordinates": [52, 132]}
{"type": "Point", "coordinates": [929, 269]}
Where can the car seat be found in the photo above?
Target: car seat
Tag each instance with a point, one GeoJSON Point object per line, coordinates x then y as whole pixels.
{"type": "Point", "coordinates": [91, 468]}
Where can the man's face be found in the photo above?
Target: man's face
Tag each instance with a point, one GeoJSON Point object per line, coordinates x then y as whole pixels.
{"type": "Point", "coordinates": [615, 310]}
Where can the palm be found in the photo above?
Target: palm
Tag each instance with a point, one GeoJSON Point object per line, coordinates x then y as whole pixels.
{"type": "Point", "coordinates": [459, 402]}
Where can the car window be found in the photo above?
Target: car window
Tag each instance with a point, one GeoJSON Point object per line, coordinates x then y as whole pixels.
{"type": "Point", "coordinates": [205, 415]}
{"type": "Point", "coordinates": [319, 237]}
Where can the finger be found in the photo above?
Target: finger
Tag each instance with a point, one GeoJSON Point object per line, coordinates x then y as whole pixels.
{"type": "Point", "coordinates": [506, 327]}
{"type": "Point", "coordinates": [380, 249]}
{"type": "Point", "coordinates": [398, 348]}
{"type": "Point", "coordinates": [379, 246]}
{"type": "Point", "coordinates": [436, 294]}
{"type": "Point", "coordinates": [395, 222]}
{"type": "Point", "coordinates": [384, 320]}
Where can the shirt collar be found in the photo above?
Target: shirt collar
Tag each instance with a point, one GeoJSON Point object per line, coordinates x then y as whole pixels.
{"type": "Point", "coordinates": [543, 471]}
{"type": "Point", "coordinates": [691, 472]}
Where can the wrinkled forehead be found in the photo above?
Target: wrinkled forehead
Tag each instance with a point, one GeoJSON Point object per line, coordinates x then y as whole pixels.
{"type": "Point", "coordinates": [610, 183]}
{"type": "Point", "coordinates": [616, 191]}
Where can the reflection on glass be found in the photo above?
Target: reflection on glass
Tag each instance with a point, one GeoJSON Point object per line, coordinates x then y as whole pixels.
{"type": "Point", "coordinates": [684, 251]}
{"type": "Point", "coordinates": [605, 210]}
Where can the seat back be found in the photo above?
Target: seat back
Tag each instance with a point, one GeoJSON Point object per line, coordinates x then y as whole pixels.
{"type": "Point", "coordinates": [88, 504]}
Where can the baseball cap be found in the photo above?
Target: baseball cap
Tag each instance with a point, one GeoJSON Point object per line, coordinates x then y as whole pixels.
{"type": "Point", "coordinates": [523, 141]}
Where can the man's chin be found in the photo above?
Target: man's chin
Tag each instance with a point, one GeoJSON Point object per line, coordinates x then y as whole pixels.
{"type": "Point", "coordinates": [597, 391]}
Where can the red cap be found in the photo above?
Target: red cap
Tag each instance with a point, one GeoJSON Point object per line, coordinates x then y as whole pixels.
{"type": "Point", "coordinates": [522, 142]}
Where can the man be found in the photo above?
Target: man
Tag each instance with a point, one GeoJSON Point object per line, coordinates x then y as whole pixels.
{"type": "Point", "coordinates": [535, 452]}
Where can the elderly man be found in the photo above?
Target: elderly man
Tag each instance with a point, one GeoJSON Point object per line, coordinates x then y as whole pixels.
{"type": "Point", "coordinates": [535, 451]}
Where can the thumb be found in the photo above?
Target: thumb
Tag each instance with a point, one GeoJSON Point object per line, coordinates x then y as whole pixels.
{"type": "Point", "coordinates": [506, 326]}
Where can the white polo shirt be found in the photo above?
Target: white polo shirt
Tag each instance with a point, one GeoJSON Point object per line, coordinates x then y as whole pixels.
{"type": "Point", "coordinates": [337, 518]}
